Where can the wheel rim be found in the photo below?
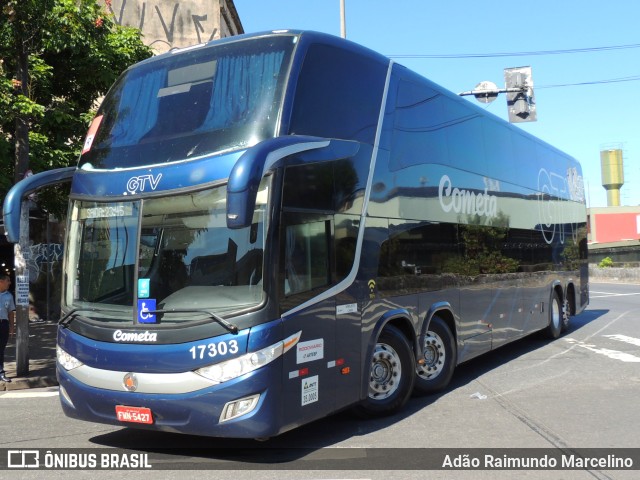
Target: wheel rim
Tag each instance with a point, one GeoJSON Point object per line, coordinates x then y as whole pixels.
{"type": "Point", "coordinates": [386, 372]}
{"type": "Point", "coordinates": [434, 358]}
{"type": "Point", "coordinates": [555, 313]}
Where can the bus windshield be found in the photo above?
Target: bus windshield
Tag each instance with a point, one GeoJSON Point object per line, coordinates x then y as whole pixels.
{"type": "Point", "coordinates": [185, 258]}
{"type": "Point", "coordinates": [178, 107]}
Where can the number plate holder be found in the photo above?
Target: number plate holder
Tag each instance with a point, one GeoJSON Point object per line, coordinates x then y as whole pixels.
{"type": "Point", "coordinates": [129, 414]}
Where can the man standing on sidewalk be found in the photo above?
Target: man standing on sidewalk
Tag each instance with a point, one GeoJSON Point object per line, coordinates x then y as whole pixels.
{"type": "Point", "coordinates": [7, 317]}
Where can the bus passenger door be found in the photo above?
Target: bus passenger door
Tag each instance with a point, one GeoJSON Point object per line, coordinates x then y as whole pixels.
{"type": "Point", "coordinates": [316, 238]}
{"type": "Point", "coordinates": [305, 276]}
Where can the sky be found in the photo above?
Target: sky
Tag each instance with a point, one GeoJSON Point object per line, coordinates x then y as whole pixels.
{"type": "Point", "coordinates": [581, 120]}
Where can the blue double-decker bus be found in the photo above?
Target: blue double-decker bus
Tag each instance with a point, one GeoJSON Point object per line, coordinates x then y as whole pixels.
{"type": "Point", "coordinates": [269, 228]}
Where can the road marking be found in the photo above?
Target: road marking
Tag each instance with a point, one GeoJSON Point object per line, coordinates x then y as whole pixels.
{"type": "Point", "coordinates": [27, 394]}
{"type": "Point", "coordinates": [609, 294]}
{"type": "Point", "coordinates": [624, 338]}
{"type": "Point", "coordinates": [613, 354]}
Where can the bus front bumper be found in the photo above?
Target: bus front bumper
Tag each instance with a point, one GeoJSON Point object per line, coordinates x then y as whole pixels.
{"type": "Point", "coordinates": [245, 407]}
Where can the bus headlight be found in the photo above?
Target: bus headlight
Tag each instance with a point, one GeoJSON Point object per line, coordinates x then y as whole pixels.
{"type": "Point", "coordinates": [225, 371]}
{"type": "Point", "coordinates": [236, 367]}
{"type": "Point", "coordinates": [68, 362]}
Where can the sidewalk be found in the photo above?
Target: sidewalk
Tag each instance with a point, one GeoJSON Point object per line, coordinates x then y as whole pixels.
{"type": "Point", "coordinates": [42, 358]}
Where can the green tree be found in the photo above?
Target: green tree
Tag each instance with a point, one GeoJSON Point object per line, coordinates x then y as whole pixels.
{"type": "Point", "coordinates": [57, 58]}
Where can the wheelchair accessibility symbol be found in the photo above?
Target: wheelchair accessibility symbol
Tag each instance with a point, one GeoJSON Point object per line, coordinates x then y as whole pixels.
{"type": "Point", "coordinates": [145, 307]}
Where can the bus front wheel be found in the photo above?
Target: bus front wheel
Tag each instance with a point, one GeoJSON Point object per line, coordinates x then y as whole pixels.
{"type": "Point", "coordinates": [390, 375]}
{"type": "Point", "coordinates": [435, 369]}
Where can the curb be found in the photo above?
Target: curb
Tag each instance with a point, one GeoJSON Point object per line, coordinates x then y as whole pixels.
{"type": "Point", "coordinates": [30, 382]}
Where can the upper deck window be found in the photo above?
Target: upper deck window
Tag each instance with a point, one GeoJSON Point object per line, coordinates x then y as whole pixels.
{"type": "Point", "coordinates": [192, 103]}
{"type": "Point", "coordinates": [339, 95]}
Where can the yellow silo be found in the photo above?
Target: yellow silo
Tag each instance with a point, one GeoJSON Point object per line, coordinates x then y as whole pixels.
{"type": "Point", "coordinates": [612, 175]}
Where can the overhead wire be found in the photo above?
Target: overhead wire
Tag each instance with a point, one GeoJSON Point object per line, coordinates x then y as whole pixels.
{"type": "Point", "coordinates": [519, 54]}
{"type": "Point", "coordinates": [631, 78]}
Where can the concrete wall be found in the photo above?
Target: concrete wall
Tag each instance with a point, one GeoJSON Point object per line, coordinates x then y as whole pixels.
{"type": "Point", "coordinates": [614, 274]}
{"type": "Point", "coordinates": [168, 24]}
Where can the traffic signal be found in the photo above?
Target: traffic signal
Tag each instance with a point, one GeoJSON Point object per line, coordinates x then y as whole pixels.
{"type": "Point", "coordinates": [521, 102]}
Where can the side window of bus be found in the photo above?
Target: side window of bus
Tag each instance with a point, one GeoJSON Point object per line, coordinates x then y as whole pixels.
{"type": "Point", "coordinates": [319, 239]}
{"type": "Point", "coordinates": [306, 258]}
{"type": "Point", "coordinates": [427, 121]}
{"type": "Point", "coordinates": [339, 95]}
{"type": "Point", "coordinates": [415, 255]}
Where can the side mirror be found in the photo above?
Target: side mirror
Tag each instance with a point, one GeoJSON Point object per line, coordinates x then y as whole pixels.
{"type": "Point", "coordinates": [13, 201]}
{"type": "Point", "coordinates": [248, 171]}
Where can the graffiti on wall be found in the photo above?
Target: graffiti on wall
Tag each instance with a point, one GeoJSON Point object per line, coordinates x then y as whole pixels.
{"type": "Point", "coordinates": [41, 256]}
{"type": "Point", "coordinates": [169, 23]}
{"type": "Point", "coordinates": [42, 281]}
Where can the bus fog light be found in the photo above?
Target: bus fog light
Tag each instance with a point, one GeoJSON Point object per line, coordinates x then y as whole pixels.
{"type": "Point", "coordinates": [239, 407]}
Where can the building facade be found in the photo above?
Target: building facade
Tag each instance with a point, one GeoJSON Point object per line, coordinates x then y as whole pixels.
{"type": "Point", "coordinates": [614, 232]}
{"type": "Point", "coordinates": [167, 24]}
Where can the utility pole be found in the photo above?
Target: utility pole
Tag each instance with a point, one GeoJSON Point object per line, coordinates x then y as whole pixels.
{"type": "Point", "coordinates": [21, 166]}
{"type": "Point", "coordinates": [343, 20]}
{"type": "Point", "coordinates": [21, 252]}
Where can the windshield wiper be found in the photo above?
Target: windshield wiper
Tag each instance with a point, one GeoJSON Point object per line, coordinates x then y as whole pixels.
{"type": "Point", "coordinates": [221, 321]}
{"type": "Point", "coordinates": [68, 318]}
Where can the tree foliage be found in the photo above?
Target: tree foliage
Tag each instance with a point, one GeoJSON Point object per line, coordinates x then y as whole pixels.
{"type": "Point", "coordinates": [73, 50]}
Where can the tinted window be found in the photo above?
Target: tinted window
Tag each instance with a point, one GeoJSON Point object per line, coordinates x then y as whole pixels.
{"type": "Point", "coordinates": [415, 255]}
{"type": "Point", "coordinates": [499, 151]}
{"type": "Point", "coordinates": [189, 104]}
{"type": "Point", "coordinates": [327, 186]}
{"type": "Point", "coordinates": [429, 126]}
{"type": "Point", "coordinates": [318, 240]}
{"type": "Point", "coordinates": [306, 257]}
{"type": "Point", "coordinates": [338, 95]}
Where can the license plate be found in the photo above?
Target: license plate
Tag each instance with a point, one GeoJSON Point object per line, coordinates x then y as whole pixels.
{"type": "Point", "coordinates": [133, 414]}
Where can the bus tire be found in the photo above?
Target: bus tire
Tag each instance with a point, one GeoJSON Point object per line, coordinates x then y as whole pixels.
{"type": "Point", "coordinates": [554, 328]}
{"type": "Point", "coordinates": [390, 375]}
{"type": "Point", "coordinates": [565, 316]}
{"type": "Point", "coordinates": [435, 369]}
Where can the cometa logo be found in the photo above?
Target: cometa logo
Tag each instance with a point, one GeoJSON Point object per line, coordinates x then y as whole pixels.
{"type": "Point", "coordinates": [466, 201]}
{"type": "Point", "coordinates": [120, 336]}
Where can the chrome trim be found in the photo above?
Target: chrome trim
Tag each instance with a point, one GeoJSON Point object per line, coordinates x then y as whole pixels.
{"type": "Point", "coordinates": [273, 157]}
{"type": "Point", "coordinates": [166, 383]}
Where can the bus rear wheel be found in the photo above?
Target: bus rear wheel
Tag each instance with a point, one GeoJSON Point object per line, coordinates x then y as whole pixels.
{"type": "Point", "coordinates": [556, 317]}
{"type": "Point", "coordinates": [436, 367]}
{"type": "Point", "coordinates": [390, 375]}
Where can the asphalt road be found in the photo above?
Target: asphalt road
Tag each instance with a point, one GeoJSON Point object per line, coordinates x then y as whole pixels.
{"type": "Point", "coordinates": [580, 391]}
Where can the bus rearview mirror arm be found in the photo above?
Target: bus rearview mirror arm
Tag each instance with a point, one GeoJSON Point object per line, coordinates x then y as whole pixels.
{"type": "Point", "coordinates": [13, 201]}
{"type": "Point", "coordinates": [247, 173]}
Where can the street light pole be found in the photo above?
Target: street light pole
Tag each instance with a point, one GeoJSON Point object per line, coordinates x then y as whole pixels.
{"type": "Point", "coordinates": [343, 21]}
